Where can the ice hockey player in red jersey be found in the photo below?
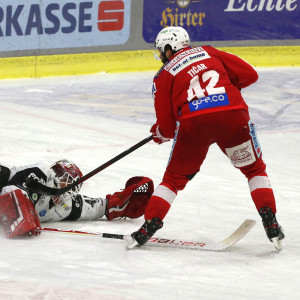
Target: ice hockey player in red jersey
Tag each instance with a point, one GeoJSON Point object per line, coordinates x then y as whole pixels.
{"type": "Point", "coordinates": [18, 203]}
{"type": "Point", "coordinates": [198, 102]}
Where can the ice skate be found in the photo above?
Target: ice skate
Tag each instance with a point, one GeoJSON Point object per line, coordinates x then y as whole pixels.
{"type": "Point", "coordinates": [273, 229]}
{"type": "Point", "coordinates": [142, 236]}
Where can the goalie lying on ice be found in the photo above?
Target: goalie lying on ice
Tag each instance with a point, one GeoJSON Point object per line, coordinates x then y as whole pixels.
{"type": "Point", "coordinates": [21, 209]}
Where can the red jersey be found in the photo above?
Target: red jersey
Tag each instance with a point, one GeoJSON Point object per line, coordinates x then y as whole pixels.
{"type": "Point", "coordinates": [199, 81]}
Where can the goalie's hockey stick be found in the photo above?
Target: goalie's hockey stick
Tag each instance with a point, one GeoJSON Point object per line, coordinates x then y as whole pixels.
{"type": "Point", "coordinates": [103, 235]}
{"type": "Point", "coordinates": [40, 188]}
{"type": "Point", "coordinates": [203, 245]}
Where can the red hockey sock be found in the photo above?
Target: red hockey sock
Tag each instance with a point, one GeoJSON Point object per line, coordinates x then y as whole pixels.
{"type": "Point", "coordinates": [157, 207]}
{"type": "Point", "coordinates": [261, 192]}
{"type": "Point", "coordinates": [160, 202]}
{"type": "Point", "coordinates": [264, 197]}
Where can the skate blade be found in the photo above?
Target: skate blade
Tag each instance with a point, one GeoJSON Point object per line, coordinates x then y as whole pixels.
{"type": "Point", "coordinates": [277, 243]}
{"type": "Point", "coordinates": [131, 243]}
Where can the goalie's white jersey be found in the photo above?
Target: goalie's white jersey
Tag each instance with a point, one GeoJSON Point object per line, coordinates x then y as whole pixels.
{"type": "Point", "coordinates": [65, 207]}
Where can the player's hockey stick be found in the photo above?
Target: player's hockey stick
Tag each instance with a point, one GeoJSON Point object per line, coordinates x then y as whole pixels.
{"type": "Point", "coordinates": [40, 188]}
{"type": "Point", "coordinates": [203, 245]}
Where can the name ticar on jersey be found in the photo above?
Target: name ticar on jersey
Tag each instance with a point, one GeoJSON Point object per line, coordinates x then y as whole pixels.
{"type": "Point", "coordinates": [196, 69]}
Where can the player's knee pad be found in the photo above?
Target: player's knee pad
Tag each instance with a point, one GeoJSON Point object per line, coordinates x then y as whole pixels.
{"type": "Point", "coordinates": [174, 181]}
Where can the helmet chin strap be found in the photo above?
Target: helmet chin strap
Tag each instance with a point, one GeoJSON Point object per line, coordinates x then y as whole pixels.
{"type": "Point", "coordinates": [163, 55]}
{"type": "Point", "coordinates": [156, 56]}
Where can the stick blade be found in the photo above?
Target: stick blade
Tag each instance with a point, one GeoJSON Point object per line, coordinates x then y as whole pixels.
{"type": "Point", "coordinates": [203, 245]}
{"type": "Point", "coordinates": [244, 228]}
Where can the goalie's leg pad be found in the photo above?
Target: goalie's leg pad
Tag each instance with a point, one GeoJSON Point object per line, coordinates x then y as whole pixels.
{"type": "Point", "coordinates": [132, 201]}
{"type": "Point", "coordinates": [17, 215]}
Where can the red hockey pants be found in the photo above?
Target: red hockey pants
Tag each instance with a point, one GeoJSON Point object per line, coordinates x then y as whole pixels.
{"type": "Point", "coordinates": [233, 132]}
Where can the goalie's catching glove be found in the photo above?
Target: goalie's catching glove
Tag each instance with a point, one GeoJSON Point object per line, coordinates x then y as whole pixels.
{"type": "Point", "coordinates": [158, 137]}
{"type": "Point", "coordinates": [132, 201]}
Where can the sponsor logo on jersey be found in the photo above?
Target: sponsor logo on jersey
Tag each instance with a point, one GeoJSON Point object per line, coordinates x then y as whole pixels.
{"type": "Point", "coordinates": [66, 207]}
{"type": "Point", "coordinates": [58, 213]}
{"type": "Point", "coordinates": [185, 59]}
{"type": "Point", "coordinates": [34, 197]}
{"type": "Point", "coordinates": [209, 101]}
{"type": "Point", "coordinates": [241, 155]}
{"type": "Point", "coordinates": [254, 139]}
{"type": "Point", "coordinates": [41, 201]}
{"type": "Point", "coordinates": [42, 213]}
{"type": "Point", "coordinates": [92, 202]}
{"type": "Point", "coordinates": [153, 89]}
{"type": "Point", "coordinates": [35, 177]}
{"type": "Point", "coordinates": [159, 71]}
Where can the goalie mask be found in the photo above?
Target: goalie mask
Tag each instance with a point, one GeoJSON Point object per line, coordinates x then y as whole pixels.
{"type": "Point", "coordinates": [66, 173]}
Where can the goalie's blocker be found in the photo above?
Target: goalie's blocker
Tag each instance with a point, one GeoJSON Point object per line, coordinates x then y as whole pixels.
{"type": "Point", "coordinates": [132, 201]}
{"type": "Point", "coordinates": [17, 215]}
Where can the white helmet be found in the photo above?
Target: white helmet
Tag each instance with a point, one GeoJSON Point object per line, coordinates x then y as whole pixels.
{"type": "Point", "coordinates": [175, 36]}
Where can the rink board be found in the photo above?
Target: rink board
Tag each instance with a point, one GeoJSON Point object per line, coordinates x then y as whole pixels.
{"type": "Point", "coordinates": [130, 61]}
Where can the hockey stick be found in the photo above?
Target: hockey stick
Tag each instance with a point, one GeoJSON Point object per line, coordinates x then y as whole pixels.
{"type": "Point", "coordinates": [40, 188]}
{"type": "Point", "coordinates": [103, 235]}
{"type": "Point", "coordinates": [203, 245]}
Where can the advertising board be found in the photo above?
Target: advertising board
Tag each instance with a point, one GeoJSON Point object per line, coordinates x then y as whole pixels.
{"type": "Point", "coordinates": [48, 24]}
{"type": "Point", "coordinates": [224, 20]}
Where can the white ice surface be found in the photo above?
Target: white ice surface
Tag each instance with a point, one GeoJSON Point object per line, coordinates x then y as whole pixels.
{"type": "Point", "coordinates": [90, 119]}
